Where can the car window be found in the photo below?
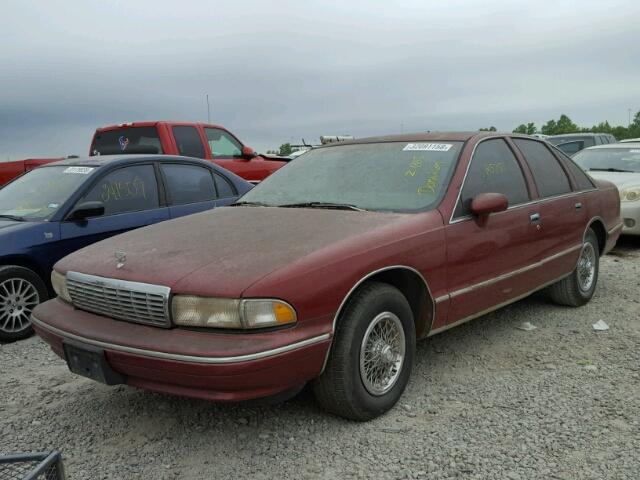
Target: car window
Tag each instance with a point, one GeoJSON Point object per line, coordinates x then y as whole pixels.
{"type": "Point", "coordinates": [222, 144]}
{"type": "Point", "coordinates": [188, 141]}
{"type": "Point", "coordinates": [581, 178]}
{"type": "Point", "coordinates": [381, 176]}
{"type": "Point", "coordinates": [127, 189]}
{"type": "Point", "coordinates": [188, 183]}
{"type": "Point", "coordinates": [547, 172]}
{"type": "Point", "coordinates": [493, 169]}
{"type": "Point", "coordinates": [127, 140]}
{"type": "Point", "coordinates": [570, 148]}
{"type": "Point", "coordinates": [225, 189]}
{"type": "Point", "coordinates": [40, 193]}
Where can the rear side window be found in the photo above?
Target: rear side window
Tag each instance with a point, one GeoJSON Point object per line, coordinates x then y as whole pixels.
{"type": "Point", "coordinates": [188, 141]}
{"type": "Point", "coordinates": [128, 189]}
{"type": "Point", "coordinates": [127, 140]}
{"type": "Point", "coordinates": [494, 169]}
{"type": "Point", "coordinates": [188, 184]}
{"type": "Point", "coordinates": [581, 178]}
{"type": "Point", "coordinates": [547, 171]}
{"type": "Point", "coordinates": [224, 187]}
{"type": "Point", "coordinates": [222, 144]}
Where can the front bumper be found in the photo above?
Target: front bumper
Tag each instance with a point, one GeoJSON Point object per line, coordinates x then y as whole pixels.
{"type": "Point", "coordinates": [630, 213]}
{"type": "Point", "coordinates": [214, 366]}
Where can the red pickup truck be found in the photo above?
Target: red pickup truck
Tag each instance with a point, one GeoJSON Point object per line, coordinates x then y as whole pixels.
{"type": "Point", "coordinates": [200, 140]}
{"type": "Point", "coordinates": [10, 170]}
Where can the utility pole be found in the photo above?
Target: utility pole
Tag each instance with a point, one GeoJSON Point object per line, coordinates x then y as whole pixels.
{"type": "Point", "coordinates": [208, 110]}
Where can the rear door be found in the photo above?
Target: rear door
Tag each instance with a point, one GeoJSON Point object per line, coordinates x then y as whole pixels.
{"type": "Point", "coordinates": [493, 261]}
{"type": "Point", "coordinates": [562, 214]}
{"type": "Point", "coordinates": [190, 188]}
{"type": "Point", "coordinates": [131, 198]}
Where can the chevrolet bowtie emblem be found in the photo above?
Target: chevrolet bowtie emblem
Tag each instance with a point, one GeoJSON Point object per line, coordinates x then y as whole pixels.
{"type": "Point", "coordinates": [121, 257]}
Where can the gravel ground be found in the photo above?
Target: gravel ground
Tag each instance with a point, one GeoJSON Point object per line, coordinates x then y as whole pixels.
{"type": "Point", "coordinates": [486, 400]}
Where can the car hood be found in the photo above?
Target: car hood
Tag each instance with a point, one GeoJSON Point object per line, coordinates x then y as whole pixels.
{"type": "Point", "coordinates": [226, 250]}
{"type": "Point", "coordinates": [619, 179]}
{"type": "Point", "coordinates": [9, 225]}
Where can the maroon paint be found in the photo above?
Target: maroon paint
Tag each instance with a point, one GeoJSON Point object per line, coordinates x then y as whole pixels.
{"type": "Point", "coordinates": [313, 259]}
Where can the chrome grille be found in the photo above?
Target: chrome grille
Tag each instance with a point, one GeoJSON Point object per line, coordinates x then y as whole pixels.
{"type": "Point", "coordinates": [119, 299]}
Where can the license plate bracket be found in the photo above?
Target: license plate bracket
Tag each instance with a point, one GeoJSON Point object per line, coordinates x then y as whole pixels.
{"type": "Point", "coordinates": [90, 362]}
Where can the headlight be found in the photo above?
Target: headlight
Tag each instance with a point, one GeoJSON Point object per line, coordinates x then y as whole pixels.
{"type": "Point", "coordinates": [630, 194]}
{"type": "Point", "coordinates": [195, 311]}
{"type": "Point", "coordinates": [59, 283]}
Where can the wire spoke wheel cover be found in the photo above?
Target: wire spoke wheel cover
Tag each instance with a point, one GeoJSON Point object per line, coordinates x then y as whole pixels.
{"type": "Point", "coordinates": [382, 353]}
{"type": "Point", "coordinates": [586, 267]}
{"type": "Point", "coordinates": [18, 297]}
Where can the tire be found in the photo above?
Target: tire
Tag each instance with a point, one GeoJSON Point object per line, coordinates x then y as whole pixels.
{"type": "Point", "coordinates": [21, 290]}
{"type": "Point", "coordinates": [345, 388]}
{"type": "Point", "coordinates": [578, 288]}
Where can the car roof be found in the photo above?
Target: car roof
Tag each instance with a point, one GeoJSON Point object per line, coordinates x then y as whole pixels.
{"type": "Point", "coordinates": [103, 160]}
{"type": "Point", "coordinates": [578, 135]}
{"type": "Point", "coordinates": [615, 145]}
{"type": "Point", "coordinates": [419, 137]}
{"type": "Point", "coordinates": [155, 123]}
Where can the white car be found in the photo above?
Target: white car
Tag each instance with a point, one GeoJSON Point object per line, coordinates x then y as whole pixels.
{"type": "Point", "coordinates": [629, 140]}
{"type": "Point", "coordinates": [619, 163]}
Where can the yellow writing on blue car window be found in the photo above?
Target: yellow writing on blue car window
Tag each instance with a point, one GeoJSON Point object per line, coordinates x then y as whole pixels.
{"type": "Point", "coordinates": [431, 183]}
{"type": "Point", "coordinates": [114, 191]}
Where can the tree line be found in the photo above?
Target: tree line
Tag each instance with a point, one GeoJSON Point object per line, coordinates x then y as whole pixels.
{"type": "Point", "coordinates": [565, 125]}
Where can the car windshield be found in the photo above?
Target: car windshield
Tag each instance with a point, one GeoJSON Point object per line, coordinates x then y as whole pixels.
{"type": "Point", "coordinates": [38, 194]}
{"type": "Point", "coordinates": [587, 141]}
{"type": "Point", "coordinates": [389, 176]}
{"type": "Point", "coordinates": [612, 159]}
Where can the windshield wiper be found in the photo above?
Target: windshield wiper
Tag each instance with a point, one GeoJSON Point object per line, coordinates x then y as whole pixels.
{"type": "Point", "coordinates": [14, 218]}
{"type": "Point", "coordinates": [336, 206]}
{"type": "Point", "coordinates": [610, 169]}
{"type": "Point", "coordinates": [250, 204]}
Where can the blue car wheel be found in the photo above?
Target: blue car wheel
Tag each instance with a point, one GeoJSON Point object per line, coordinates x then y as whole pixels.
{"type": "Point", "coordinates": [21, 290]}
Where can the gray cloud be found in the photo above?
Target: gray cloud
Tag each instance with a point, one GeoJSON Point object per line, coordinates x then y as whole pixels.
{"type": "Point", "coordinates": [280, 71]}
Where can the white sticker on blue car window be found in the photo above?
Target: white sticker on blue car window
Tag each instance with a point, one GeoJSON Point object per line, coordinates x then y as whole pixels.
{"type": "Point", "coordinates": [432, 147]}
{"type": "Point", "coordinates": [81, 170]}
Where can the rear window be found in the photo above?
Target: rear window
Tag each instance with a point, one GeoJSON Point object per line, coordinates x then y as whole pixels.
{"type": "Point", "coordinates": [587, 141]}
{"type": "Point", "coordinates": [547, 172]}
{"type": "Point", "coordinates": [127, 140]}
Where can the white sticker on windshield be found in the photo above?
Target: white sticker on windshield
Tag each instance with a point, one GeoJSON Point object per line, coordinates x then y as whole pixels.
{"type": "Point", "coordinates": [81, 170]}
{"type": "Point", "coordinates": [433, 147]}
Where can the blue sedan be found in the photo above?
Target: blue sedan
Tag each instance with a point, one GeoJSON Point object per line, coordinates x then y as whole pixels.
{"type": "Point", "coordinates": [56, 209]}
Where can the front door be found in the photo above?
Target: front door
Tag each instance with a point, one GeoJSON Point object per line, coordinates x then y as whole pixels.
{"type": "Point", "coordinates": [131, 200]}
{"type": "Point", "coordinates": [491, 260]}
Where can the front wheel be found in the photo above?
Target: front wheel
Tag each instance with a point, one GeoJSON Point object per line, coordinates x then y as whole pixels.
{"type": "Point", "coordinates": [578, 288]}
{"type": "Point", "coordinates": [372, 354]}
{"type": "Point", "coordinates": [21, 290]}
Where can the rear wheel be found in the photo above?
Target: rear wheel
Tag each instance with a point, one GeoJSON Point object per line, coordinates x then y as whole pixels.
{"type": "Point", "coordinates": [21, 290]}
{"type": "Point", "coordinates": [578, 288]}
{"type": "Point", "coordinates": [372, 354]}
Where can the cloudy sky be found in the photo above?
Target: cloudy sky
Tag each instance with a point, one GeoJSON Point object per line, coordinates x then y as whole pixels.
{"type": "Point", "coordinates": [280, 71]}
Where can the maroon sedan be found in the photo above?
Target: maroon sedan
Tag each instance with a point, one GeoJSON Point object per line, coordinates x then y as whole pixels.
{"type": "Point", "coordinates": [329, 270]}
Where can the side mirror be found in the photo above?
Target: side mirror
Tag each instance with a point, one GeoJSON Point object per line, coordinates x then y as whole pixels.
{"type": "Point", "coordinates": [486, 203]}
{"type": "Point", "coordinates": [248, 153]}
{"type": "Point", "coordinates": [85, 210]}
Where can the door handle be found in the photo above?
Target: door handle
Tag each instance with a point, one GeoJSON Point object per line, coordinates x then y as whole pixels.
{"type": "Point", "coordinates": [578, 206]}
{"type": "Point", "coordinates": [534, 217]}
